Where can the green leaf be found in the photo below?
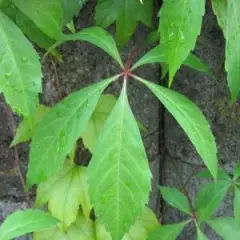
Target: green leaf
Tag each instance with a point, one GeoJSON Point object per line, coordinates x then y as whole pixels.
{"type": "Point", "coordinates": [176, 199]}
{"type": "Point", "coordinates": [200, 235]}
{"type": "Point", "coordinates": [100, 38]}
{"type": "Point", "coordinates": [236, 204]}
{"type": "Point", "coordinates": [47, 15]}
{"type": "Point", "coordinates": [22, 222]}
{"type": "Point", "coordinates": [139, 231]}
{"type": "Point", "coordinates": [221, 175]}
{"type": "Point", "coordinates": [64, 192]}
{"type": "Point", "coordinates": [71, 9]}
{"type": "Point", "coordinates": [209, 199]}
{"type": "Point", "coordinates": [232, 54]}
{"type": "Point", "coordinates": [153, 37]}
{"type": "Point", "coordinates": [126, 14]}
{"type": "Point", "coordinates": [156, 55]}
{"type": "Point", "coordinates": [220, 10]}
{"type": "Point", "coordinates": [167, 232]}
{"type": "Point", "coordinates": [227, 228]}
{"type": "Point", "coordinates": [57, 133]}
{"type": "Point", "coordinates": [124, 178]}
{"type": "Point", "coordinates": [82, 229]}
{"type": "Point", "coordinates": [20, 70]}
{"type": "Point", "coordinates": [26, 128]}
{"type": "Point", "coordinates": [179, 27]}
{"type": "Point", "coordinates": [28, 27]}
{"type": "Point", "coordinates": [236, 172]}
{"type": "Point", "coordinates": [97, 120]}
{"type": "Point", "coordinates": [191, 119]}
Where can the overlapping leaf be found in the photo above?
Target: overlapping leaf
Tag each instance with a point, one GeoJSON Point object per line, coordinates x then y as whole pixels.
{"type": "Point", "coordinates": [22, 222]}
{"type": "Point", "coordinates": [191, 119]}
{"type": "Point", "coordinates": [59, 130]}
{"type": "Point", "coordinates": [209, 199]}
{"type": "Point", "coordinates": [81, 229]}
{"type": "Point", "coordinates": [139, 231]}
{"type": "Point", "coordinates": [47, 15]}
{"type": "Point", "coordinates": [97, 120]}
{"type": "Point", "coordinates": [167, 232]}
{"type": "Point", "coordinates": [236, 204]}
{"type": "Point", "coordinates": [200, 235]}
{"type": "Point", "coordinates": [179, 27]}
{"type": "Point", "coordinates": [28, 125]}
{"type": "Point", "coordinates": [156, 55]}
{"type": "Point", "coordinates": [126, 13]}
{"type": "Point", "coordinates": [20, 71]}
{"type": "Point", "coordinates": [232, 55]}
{"type": "Point", "coordinates": [124, 178]}
{"type": "Point", "coordinates": [64, 193]}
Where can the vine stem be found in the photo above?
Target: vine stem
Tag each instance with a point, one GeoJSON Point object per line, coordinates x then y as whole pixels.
{"type": "Point", "coordinates": [12, 126]}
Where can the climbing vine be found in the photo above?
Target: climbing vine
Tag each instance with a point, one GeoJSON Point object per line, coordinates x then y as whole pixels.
{"type": "Point", "coordinates": [108, 198]}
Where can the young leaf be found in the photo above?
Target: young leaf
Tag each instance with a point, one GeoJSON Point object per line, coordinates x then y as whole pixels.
{"type": "Point", "coordinates": [100, 38]}
{"type": "Point", "coordinates": [200, 235]}
{"type": "Point", "coordinates": [59, 130]}
{"type": "Point", "coordinates": [220, 10]}
{"type": "Point", "coordinates": [124, 178]}
{"type": "Point", "coordinates": [64, 192]}
{"type": "Point", "coordinates": [28, 125]}
{"type": "Point", "coordinates": [179, 27]}
{"type": "Point", "coordinates": [20, 70]}
{"type": "Point", "coordinates": [232, 63]}
{"type": "Point", "coordinates": [71, 9]}
{"type": "Point", "coordinates": [167, 232]}
{"type": "Point", "coordinates": [22, 222]}
{"type": "Point", "coordinates": [236, 204]}
{"type": "Point", "coordinates": [126, 14]}
{"type": "Point", "coordinates": [140, 230]}
{"type": "Point", "coordinates": [176, 199]}
{"type": "Point", "coordinates": [82, 229]}
{"type": "Point", "coordinates": [47, 15]}
{"type": "Point", "coordinates": [227, 228]}
{"type": "Point", "coordinates": [97, 120]}
{"type": "Point", "coordinates": [209, 198]}
{"type": "Point", "coordinates": [156, 55]}
{"type": "Point", "coordinates": [191, 119]}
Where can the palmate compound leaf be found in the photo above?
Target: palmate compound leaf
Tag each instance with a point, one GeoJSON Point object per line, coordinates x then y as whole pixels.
{"type": "Point", "coordinates": [64, 193]}
{"type": "Point", "coordinates": [20, 70]}
{"type": "Point", "coordinates": [227, 228]}
{"type": "Point", "coordinates": [121, 190]}
{"type": "Point", "coordinates": [232, 54]}
{"type": "Point", "coordinates": [59, 130]}
{"type": "Point", "coordinates": [22, 222]}
{"type": "Point", "coordinates": [27, 126]}
{"type": "Point", "coordinates": [167, 232]}
{"type": "Point", "coordinates": [98, 37]}
{"type": "Point", "coordinates": [126, 13]}
{"type": "Point", "coordinates": [156, 55]}
{"type": "Point", "coordinates": [146, 223]}
{"type": "Point", "coordinates": [191, 119]}
{"type": "Point", "coordinates": [176, 199]}
{"type": "Point", "coordinates": [81, 229]}
{"type": "Point", "coordinates": [47, 15]}
{"type": "Point", "coordinates": [179, 27]}
{"type": "Point", "coordinates": [209, 198]}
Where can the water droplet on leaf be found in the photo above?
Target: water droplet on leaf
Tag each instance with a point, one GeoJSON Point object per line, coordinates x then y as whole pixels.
{"type": "Point", "coordinates": [24, 59]}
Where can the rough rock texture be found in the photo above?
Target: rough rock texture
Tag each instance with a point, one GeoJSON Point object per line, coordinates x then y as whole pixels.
{"type": "Point", "coordinates": [167, 147]}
